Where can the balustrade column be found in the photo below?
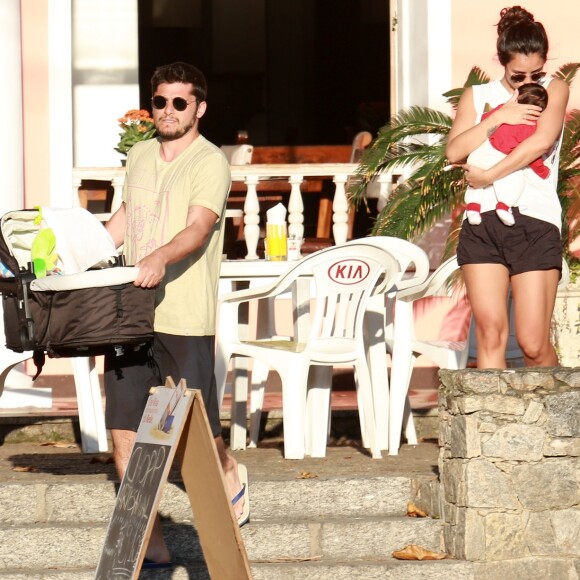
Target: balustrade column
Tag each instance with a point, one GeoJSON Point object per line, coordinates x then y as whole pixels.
{"type": "Point", "coordinates": [296, 208]}
{"type": "Point", "coordinates": [76, 195]}
{"type": "Point", "coordinates": [385, 181]}
{"type": "Point", "coordinates": [340, 210]}
{"type": "Point", "coordinates": [251, 217]}
{"type": "Point", "coordinates": [117, 182]}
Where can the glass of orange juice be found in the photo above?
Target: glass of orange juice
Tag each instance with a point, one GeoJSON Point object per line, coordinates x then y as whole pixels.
{"type": "Point", "coordinates": [276, 242]}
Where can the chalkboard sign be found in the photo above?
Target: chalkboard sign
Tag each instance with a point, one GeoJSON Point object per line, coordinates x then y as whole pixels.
{"type": "Point", "coordinates": [173, 415]}
{"type": "Point", "coordinates": [140, 491]}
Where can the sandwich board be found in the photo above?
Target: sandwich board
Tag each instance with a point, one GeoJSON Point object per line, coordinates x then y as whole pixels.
{"type": "Point", "coordinates": [174, 422]}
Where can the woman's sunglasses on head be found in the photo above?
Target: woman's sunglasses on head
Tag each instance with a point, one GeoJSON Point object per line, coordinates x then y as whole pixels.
{"type": "Point", "coordinates": [178, 103]}
{"type": "Point", "coordinates": [521, 77]}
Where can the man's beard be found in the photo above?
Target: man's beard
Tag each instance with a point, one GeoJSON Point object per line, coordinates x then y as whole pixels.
{"type": "Point", "coordinates": [176, 132]}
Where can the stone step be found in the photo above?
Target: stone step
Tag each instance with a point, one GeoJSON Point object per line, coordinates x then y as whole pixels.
{"type": "Point", "coordinates": [271, 501]}
{"type": "Point", "coordinates": [56, 530]}
{"type": "Point", "coordinates": [391, 570]}
{"type": "Point", "coordinates": [334, 517]}
{"type": "Point", "coordinates": [72, 545]}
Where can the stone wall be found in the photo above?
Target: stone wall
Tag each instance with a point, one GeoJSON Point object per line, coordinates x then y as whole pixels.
{"type": "Point", "coordinates": [510, 471]}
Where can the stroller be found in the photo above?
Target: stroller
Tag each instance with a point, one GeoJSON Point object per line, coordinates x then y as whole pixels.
{"type": "Point", "coordinates": [92, 306]}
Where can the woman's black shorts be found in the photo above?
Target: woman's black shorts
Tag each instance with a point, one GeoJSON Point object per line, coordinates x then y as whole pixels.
{"type": "Point", "coordinates": [529, 245]}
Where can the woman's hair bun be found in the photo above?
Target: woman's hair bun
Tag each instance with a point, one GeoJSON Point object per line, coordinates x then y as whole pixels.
{"type": "Point", "coordinates": [513, 15]}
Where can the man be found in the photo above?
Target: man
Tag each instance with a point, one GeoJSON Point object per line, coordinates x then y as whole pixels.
{"type": "Point", "coordinates": [171, 225]}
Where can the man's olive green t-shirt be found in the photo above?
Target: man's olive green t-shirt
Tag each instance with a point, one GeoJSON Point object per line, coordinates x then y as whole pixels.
{"type": "Point", "coordinates": [158, 195]}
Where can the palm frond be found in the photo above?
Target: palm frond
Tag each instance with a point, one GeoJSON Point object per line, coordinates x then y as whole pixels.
{"type": "Point", "coordinates": [420, 201]}
{"type": "Point", "coordinates": [407, 140]}
{"type": "Point", "coordinates": [475, 77]}
{"type": "Point", "coordinates": [567, 72]}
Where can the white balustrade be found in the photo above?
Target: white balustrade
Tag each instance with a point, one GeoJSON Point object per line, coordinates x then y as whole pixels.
{"type": "Point", "coordinates": [251, 176]}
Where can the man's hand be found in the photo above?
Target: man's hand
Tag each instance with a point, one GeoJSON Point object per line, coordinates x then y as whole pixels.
{"type": "Point", "coordinates": [151, 270]}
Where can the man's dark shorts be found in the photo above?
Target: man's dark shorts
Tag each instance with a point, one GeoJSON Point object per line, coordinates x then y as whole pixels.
{"type": "Point", "coordinates": [529, 245]}
{"type": "Point", "coordinates": [129, 377]}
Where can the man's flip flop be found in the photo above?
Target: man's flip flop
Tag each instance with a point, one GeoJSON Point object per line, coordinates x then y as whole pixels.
{"type": "Point", "coordinates": [243, 493]}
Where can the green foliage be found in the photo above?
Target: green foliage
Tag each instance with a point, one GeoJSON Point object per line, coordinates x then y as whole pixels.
{"type": "Point", "coordinates": [137, 125]}
{"type": "Point", "coordinates": [475, 77]}
{"type": "Point", "coordinates": [413, 143]}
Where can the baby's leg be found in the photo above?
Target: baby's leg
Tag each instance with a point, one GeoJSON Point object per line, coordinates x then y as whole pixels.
{"type": "Point", "coordinates": [504, 213]}
{"type": "Point", "coordinates": [473, 206]}
{"type": "Point", "coordinates": [480, 158]}
{"type": "Point", "coordinates": [508, 190]}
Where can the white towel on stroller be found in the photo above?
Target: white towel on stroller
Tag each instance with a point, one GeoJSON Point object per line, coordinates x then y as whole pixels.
{"type": "Point", "coordinates": [91, 279]}
{"type": "Point", "coordinates": [81, 240]}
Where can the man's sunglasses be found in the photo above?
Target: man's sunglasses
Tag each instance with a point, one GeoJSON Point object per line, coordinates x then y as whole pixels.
{"type": "Point", "coordinates": [521, 77]}
{"type": "Point", "coordinates": [179, 103]}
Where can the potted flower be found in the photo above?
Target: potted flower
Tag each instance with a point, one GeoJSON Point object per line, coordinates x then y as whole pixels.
{"type": "Point", "coordinates": [137, 126]}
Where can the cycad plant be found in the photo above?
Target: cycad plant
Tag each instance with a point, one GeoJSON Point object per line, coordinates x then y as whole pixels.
{"type": "Point", "coordinates": [413, 143]}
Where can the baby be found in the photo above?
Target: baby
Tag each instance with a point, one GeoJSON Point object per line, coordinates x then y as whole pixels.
{"type": "Point", "coordinates": [504, 139]}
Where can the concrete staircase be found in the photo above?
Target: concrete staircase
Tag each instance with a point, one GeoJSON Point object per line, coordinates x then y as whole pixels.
{"type": "Point", "coordinates": [53, 520]}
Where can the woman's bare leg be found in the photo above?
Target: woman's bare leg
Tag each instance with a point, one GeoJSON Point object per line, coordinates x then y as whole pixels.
{"type": "Point", "coordinates": [534, 295]}
{"type": "Point", "coordinates": [487, 289]}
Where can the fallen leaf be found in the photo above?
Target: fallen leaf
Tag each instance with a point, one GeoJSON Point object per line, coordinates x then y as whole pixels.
{"type": "Point", "coordinates": [414, 512]}
{"type": "Point", "coordinates": [58, 444]}
{"type": "Point", "coordinates": [23, 468]}
{"type": "Point", "coordinates": [413, 552]}
{"type": "Point", "coordinates": [283, 560]}
{"type": "Point", "coordinates": [307, 475]}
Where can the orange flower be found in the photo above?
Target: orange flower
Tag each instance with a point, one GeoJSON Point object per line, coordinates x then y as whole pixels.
{"type": "Point", "coordinates": [137, 125]}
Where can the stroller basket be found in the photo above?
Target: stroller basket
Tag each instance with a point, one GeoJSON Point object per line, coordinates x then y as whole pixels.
{"type": "Point", "coordinates": [82, 314]}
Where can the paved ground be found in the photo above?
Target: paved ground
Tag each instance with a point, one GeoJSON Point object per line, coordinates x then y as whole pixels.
{"type": "Point", "coordinates": [37, 462]}
{"type": "Point", "coordinates": [42, 458]}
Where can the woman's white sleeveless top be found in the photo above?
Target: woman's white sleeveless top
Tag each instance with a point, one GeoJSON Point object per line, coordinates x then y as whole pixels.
{"type": "Point", "coordinates": [539, 199]}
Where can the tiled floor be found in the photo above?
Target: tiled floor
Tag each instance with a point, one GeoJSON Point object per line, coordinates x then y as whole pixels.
{"type": "Point", "coordinates": [343, 394]}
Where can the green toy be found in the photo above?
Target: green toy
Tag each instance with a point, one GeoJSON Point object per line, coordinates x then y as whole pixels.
{"type": "Point", "coordinates": [42, 251]}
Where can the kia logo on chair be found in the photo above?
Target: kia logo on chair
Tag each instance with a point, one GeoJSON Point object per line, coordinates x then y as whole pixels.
{"type": "Point", "coordinates": [350, 271]}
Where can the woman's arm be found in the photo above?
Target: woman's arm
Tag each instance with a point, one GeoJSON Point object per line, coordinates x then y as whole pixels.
{"type": "Point", "coordinates": [465, 136]}
{"type": "Point", "coordinates": [549, 127]}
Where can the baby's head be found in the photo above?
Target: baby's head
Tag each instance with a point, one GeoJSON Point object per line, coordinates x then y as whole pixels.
{"type": "Point", "coordinates": [533, 94]}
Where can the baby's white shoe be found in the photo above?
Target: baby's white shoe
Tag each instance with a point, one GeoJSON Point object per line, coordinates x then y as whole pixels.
{"type": "Point", "coordinates": [473, 213]}
{"type": "Point", "coordinates": [473, 217]}
{"type": "Point", "coordinates": [504, 213]}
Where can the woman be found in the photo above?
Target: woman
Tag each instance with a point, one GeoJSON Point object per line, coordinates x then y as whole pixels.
{"type": "Point", "coordinates": [529, 254]}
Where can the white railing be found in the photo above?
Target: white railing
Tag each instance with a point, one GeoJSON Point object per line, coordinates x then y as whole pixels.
{"type": "Point", "coordinates": [251, 175]}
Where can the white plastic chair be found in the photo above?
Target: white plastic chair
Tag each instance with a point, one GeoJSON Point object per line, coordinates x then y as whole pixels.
{"type": "Point", "coordinates": [238, 154]}
{"type": "Point", "coordinates": [408, 256]}
{"type": "Point", "coordinates": [344, 278]}
{"type": "Point", "coordinates": [406, 348]}
{"type": "Point", "coordinates": [378, 324]}
{"type": "Point", "coordinates": [413, 270]}
{"type": "Point", "coordinates": [378, 321]}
